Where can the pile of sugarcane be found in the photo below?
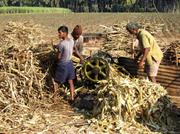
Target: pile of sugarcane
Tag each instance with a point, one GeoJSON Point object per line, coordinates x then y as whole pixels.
{"type": "Point", "coordinates": [22, 74]}
{"type": "Point", "coordinates": [119, 41]}
{"type": "Point", "coordinates": [155, 29]}
{"type": "Point", "coordinates": [126, 105]}
{"type": "Point", "coordinates": [171, 52]}
{"type": "Point", "coordinates": [24, 35]}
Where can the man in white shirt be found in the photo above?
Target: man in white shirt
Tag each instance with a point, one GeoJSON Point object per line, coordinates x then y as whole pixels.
{"type": "Point", "coordinates": [78, 38]}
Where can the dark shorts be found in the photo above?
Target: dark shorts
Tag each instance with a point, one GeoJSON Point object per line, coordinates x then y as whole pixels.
{"type": "Point", "coordinates": [64, 72]}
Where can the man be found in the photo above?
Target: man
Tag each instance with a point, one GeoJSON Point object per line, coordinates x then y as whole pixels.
{"type": "Point", "coordinates": [64, 69]}
{"type": "Point", "coordinates": [150, 51]}
{"type": "Point", "coordinates": [76, 35]}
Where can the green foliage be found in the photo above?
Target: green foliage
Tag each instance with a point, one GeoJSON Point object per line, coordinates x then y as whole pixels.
{"type": "Point", "coordinates": [33, 10]}
{"type": "Point", "coordinates": [101, 5]}
{"type": "Point", "coordinates": [3, 3]}
{"type": "Point", "coordinates": [117, 8]}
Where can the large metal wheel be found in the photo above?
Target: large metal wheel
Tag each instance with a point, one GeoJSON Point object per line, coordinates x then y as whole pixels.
{"type": "Point", "coordinates": [96, 69]}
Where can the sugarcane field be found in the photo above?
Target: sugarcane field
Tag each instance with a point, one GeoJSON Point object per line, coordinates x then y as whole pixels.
{"type": "Point", "coordinates": [106, 90]}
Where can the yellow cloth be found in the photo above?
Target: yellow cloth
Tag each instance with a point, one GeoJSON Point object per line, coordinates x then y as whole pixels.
{"type": "Point", "coordinates": [146, 40]}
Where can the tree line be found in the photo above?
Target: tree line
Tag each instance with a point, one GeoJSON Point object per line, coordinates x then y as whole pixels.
{"type": "Point", "coordinates": [102, 5]}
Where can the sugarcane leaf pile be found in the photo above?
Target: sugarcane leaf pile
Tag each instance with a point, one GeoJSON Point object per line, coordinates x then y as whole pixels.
{"type": "Point", "coordinates": [122, 101]}
{"type": "Point", "coordinates": [124, 104]}
{"type": "Point", "coordinates": [22, 80]}
{"type": "Point", "coordinates": [119, 40]}
{"type": "Point", "coordinates": [171, 52]}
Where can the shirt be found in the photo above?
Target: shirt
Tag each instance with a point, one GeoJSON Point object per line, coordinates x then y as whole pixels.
{"type": "Point", "coordinates": [78, 43]}
{"type": "Point", "coordinates": [65, 47]}
{"type": "Point", "coordinates": [146, 40]}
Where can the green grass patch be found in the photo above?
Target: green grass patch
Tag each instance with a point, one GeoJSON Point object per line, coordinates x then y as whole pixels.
{"type": "Point", "coordinates": [4, 10]}
{"type": "Point", "coordinates": [130, 2]}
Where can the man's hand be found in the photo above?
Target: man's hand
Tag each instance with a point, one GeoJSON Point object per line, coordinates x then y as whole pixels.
{"type": "Point", "coordinates": [54, 46]}
{"type": "Point", "coordinates": [81, 60]}
{"type": "Point", "coordinates": [141, 64]}
{"type": "Point", "coordinates": [132, 51]}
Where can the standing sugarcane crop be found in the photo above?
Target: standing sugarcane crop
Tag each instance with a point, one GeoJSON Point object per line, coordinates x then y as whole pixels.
{"type": "Point", "coordinates": [149, 49]}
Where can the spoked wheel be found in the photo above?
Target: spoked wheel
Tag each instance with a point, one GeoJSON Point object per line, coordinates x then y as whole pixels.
{"type": "Point", "coordinates": [96, 69]}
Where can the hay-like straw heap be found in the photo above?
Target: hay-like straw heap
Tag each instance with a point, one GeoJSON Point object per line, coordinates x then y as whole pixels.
{"type": "Point", "coordinates": [119, 40]}
{"type": "Point", "coordinates": [22, 82]}
{"type": "Point", "coordinates": [123, 103]}
{"type": "Point", "coordinates": [171, 52]}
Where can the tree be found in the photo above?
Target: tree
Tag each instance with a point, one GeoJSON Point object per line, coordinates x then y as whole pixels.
{"type": "Point", "coordinates": [102, 5]}
{"type": "Point", "coordinates": [90, 3]}
{"type": "Point", "coordinates": [3, 3]}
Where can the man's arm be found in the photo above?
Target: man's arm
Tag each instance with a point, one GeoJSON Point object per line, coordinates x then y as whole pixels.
{"type": "Point", "coordinates": [134, 45]}
{"type": "Point", "coordinates": [80, 44]}
{"type": "Point", "coordinates": [60, 50]}
{"type": "Point", "coordinates": [77, 54]}
{"type": "Point", "coordinates": [59, 56]}
{"type": "Point", "coordinates": [145, 53]}
{"type": "Point", "coordinates": [55, 46]}
{"type": "Point", "coordinates": [146, 50]}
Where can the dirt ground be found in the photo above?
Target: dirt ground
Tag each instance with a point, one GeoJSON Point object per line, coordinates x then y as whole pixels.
{"type": "Point", "coordinates": [91, 21]}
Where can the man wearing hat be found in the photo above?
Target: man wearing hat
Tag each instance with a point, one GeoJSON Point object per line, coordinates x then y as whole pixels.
{"type": "Point", "coordinates": [149, 49]}
{"type": "Point", "coordinates": [76, 35]}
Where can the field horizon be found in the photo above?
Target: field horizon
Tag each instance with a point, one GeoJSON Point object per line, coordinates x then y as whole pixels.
{"type": "Point", "coordinates": [91, 21]}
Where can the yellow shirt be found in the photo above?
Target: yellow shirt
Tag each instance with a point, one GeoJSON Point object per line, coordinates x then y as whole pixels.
{"type": "Point", "coordinates": [146, 40]}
